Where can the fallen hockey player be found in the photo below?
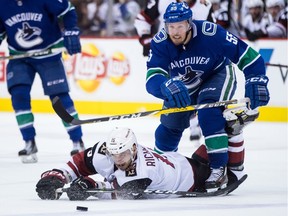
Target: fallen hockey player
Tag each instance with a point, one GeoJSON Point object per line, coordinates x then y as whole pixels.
{"type": "Point", "coordinates": [133, 171]}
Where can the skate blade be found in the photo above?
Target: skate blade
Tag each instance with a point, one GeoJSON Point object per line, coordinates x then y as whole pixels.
{"type": "Point", "coordinates": [29, 158]}
{"type": "Point", "coordinates": [209, 190]}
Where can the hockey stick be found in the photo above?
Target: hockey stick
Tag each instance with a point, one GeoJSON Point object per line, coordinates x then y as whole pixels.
{"type": "Point", "coordinates": [221, 192]}
{"type": "Point", "coordinates": [34, 54]}
{"type": "Point", "coordinates": [276, 65]}
{"type": "Point", "coordinates": [65, 116]}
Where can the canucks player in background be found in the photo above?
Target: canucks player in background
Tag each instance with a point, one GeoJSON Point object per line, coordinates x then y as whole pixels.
{"type": "Point", "coordinates": [33, 26]}
{"type": "Point", "coordinates": [190, 62]}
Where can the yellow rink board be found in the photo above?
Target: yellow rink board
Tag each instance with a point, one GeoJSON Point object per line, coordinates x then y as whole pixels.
{"type": "Point", "coordinates": [267, 113]}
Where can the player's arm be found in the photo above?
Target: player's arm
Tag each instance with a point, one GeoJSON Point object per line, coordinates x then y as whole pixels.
{"type": "Point", "coordinates": [144, 22]}
{"type": "Point", "coordinates": [250, 62]}
{"type": "Point", "coordinates": [157, 68]}
{"type": "Point", "coordinates": [65, 11]}
{"type": "Point", "coordinates": [146, 18]}
{"type": "Point", "coordinates": [158, 81]}
{"type": "Point", "coordinates": [2, 33]}
{"type": "Point", "coordinates": [133, 186]}
{"type": "Point", "coordinates": [77, 170]}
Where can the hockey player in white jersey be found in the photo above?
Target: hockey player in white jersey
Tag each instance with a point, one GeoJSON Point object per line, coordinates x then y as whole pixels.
{"type": "Point", "coordinates": [125, 164]}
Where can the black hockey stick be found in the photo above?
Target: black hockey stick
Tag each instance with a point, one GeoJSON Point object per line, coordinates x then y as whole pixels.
{"type": "Point", "coordinates": [221, 192]}
{"type": "Point", "coordinates": [276, 65]}
{"type": "Point", "coordinates": [34, 54]}
{"type": "Point", "coordinates": [65, 116]}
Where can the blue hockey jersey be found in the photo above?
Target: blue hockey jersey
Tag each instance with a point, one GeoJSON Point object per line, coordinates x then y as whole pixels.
{"type": "Point", "coordinates": [34, 24]}
{"type": "Point", "coordinates": [210, 49]}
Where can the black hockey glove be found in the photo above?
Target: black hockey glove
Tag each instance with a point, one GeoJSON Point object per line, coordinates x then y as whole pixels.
{"type": "Point", "coordinates": [256, 89]}
{"type": "Point", "coordinates": [175, 93]}
{"type": "Point", "coordinates": [49, 182]}
{"type": "Point", "coordinates": [145, 41]}
{"type": "Point", "coordinates": [72, 40]}
{"type": "Point", "coordinates": [77, 189]}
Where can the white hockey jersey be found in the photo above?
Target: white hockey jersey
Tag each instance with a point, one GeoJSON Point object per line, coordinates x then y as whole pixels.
{"type": "Point", "coordinates": [171, 171]}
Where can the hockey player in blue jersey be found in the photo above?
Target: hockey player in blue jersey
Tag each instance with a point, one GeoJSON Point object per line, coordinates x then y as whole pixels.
{"type": "Point", "coordinates": [32, 26]}
{"type": "Point", "coordinates": [190, 62]}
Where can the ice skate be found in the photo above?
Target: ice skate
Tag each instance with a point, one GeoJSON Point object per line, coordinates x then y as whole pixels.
{"type": "Point", "coordinates": [234, 174]}
{"type": "Point", "coordinates": [237, 118]}
{"type": "Point", "coordinates": [217, 179]}
{"type": "Point", "coordinates": [28, 154]}
{"type": "Point", "coordinates": [77, 147]}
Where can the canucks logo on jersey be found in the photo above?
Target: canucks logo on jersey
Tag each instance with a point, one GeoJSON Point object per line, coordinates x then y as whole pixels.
{"type": "Point", "coordinates": [28, 36]}
{"type": "Point", "coordinates": [191, 78]}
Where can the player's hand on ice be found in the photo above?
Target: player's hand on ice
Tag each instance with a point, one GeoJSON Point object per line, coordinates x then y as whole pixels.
{"type": "Point", "coordinates": [72, 40]}
{"type": "Point", "coordinates": [77, 189]}
{"type": "Point", "coordinates": [175, 93]}
{"type": "Point", "coordinates": [50, 181]}
{"type": "Point", "coordinates": [256, 89]}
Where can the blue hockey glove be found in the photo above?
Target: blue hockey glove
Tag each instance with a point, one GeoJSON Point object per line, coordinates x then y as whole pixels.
{"type": "Point", "coordinates": [175, 93]}
{"type": "Point", "coordinates": [256, 89]}
{"type": "Point", "coordinates": [72, 40]}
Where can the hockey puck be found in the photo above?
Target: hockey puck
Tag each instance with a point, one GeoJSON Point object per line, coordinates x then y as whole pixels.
{"type": "Point", "coordinates": [82, 208]}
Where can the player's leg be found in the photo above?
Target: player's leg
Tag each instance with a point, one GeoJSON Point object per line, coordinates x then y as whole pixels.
{"type": "Point", "coordinates": [195, 130]}
{"type": "Point", "coordinates": [74, 131]}
{"type": "Point", "coordinates": [20, 77]}
{"type": "Point", "coordinates": [220, 86]}
{"type": "Point", "coordinates": [169, 132]}
{"type": "Point", "coordinates": [237, 118]}
{"type": "Point", "coordinates": [236, 151]}
{"type": "Point", "coordinates": [55, 83]}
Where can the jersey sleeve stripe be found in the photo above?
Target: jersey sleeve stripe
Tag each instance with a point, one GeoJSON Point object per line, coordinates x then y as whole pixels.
{"type": "Point", "coordinates": [248, 58]}
{"type": "Point", "coordinates": [156, 71]}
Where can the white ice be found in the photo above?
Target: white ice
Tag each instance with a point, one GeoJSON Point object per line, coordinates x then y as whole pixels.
{"type": "Point", "coordinates": [264, 193]}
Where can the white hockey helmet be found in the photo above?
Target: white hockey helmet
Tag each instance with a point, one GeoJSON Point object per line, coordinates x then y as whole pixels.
{"type": "Point", "coordinates": [119, 140]}
{"type": "Point", "coordinates": [273, 3]}
{"type": "Point", "coordinates": [255, 3]}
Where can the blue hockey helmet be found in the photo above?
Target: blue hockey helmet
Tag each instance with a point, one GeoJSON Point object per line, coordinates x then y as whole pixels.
{"type": "Point", "coordinates": [177, 12]}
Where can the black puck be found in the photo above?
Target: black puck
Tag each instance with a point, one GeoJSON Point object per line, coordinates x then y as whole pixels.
{"type": "Point", "coordinates": [82, 208]}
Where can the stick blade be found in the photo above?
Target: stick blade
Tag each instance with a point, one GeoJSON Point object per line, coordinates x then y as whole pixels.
{"type": "Point", "coordinates": [61, 111]}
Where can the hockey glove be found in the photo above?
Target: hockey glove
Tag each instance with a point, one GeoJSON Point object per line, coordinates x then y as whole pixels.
{"type": "Point", "coordinates": [77, 189]}
{"type": "Point", "coordinates": [256, 89]}
{"type": "Point", "coordinates": [145, 41]}
{"type": "Point", "coordinates": [175, 93]}
{"type": "Point", "coordinates": [49, 182]}
{"type": "Point", "coordinates": [72, 40]}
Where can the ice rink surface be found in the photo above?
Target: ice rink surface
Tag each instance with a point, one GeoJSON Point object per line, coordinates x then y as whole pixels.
{"type": "Point", "coordinates": [264, 193]}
